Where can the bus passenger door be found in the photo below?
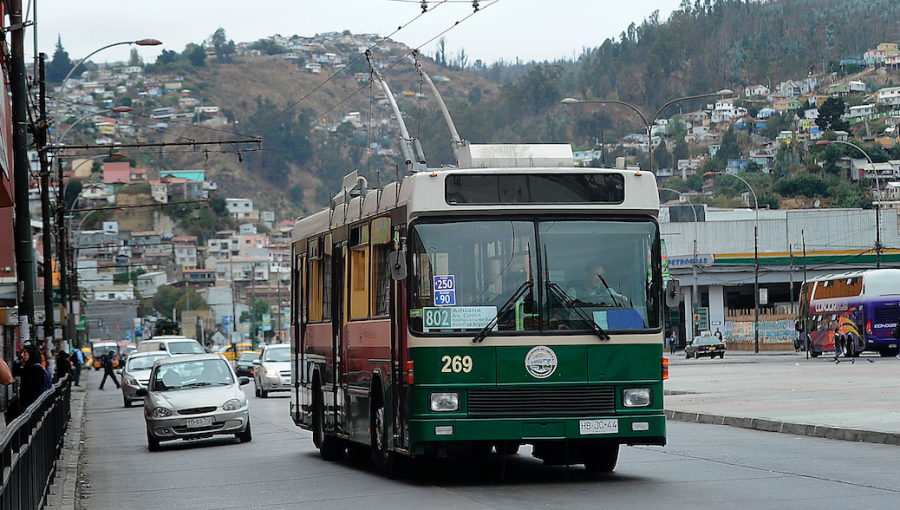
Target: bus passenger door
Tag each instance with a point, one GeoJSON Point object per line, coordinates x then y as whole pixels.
{"type": "Point", "coordinates": [400, 393]}
{"type": "Point", "coordinates": [339, 332]}
{"type": "Point", "coordinates": [300, 402]}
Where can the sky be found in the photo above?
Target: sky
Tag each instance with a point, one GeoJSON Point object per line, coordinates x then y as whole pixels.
{"type": "Point", "coordinates": [503, 29]}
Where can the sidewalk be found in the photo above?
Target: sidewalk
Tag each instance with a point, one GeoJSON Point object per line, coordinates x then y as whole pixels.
{"type": "Point", "coordinates": [63, 490]}
{"type": "Point", "coordinates": [785, 392]}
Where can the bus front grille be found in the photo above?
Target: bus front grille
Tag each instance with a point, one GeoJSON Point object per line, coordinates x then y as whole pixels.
{"type": "Point", "coordinates": [541, 402]}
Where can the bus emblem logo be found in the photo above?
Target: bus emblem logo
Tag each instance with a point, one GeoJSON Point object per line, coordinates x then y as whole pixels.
{"type": "Point", "coordinates": [541, 362]}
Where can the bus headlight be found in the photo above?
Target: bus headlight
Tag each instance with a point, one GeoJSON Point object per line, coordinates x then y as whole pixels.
{"type": "Point", "coordinates": [444, 402]}
{"type": "Point", "coordinates": [636, 397]}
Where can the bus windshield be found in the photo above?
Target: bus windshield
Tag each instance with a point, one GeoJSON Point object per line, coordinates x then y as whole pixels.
{"type": "Point", "coordinates": [560, 274]}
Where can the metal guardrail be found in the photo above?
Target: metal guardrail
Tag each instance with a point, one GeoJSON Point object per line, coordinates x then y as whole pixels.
{"type": "Point", "coordinates": [31, 444]}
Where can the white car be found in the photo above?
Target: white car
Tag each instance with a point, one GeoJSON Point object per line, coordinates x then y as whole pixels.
{"type": "Point", "coordinates": [193, 397]}
{"type": "Point", "coordinates": [272, 371]}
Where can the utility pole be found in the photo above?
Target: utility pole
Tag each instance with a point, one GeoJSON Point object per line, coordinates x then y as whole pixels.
{"type": "Point", "coordinates": [21, 171]}
{"type": "Point", "coordinates": [40, 136]}
{"type": "Point", "coordinates": [805, 309]}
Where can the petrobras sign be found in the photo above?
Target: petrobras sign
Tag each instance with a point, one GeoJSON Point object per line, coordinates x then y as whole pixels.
{"type": "Point", "coordinates": [688, 262]}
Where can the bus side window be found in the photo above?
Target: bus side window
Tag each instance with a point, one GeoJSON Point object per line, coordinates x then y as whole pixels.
{"type": "Point", "coordinates": [381, 271]}
{"type": "Point", "coordinates": [315, 271]}
{"type": "Point", "coordinates": [359, 272]}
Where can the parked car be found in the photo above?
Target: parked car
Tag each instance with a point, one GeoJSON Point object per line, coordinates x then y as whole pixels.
{"type": "Point", "coordinates": [174, 345]}
{"type": "Point", "coordinates": [704, 345]}
{"type": "Point", "coordinates": [136, 374]}
{"type": "Point", "coordinates": [272, 370]}
{"type": "Point", "coordinates": [244, 364]}
{"type": "Point", "coordinates": [193, 397]}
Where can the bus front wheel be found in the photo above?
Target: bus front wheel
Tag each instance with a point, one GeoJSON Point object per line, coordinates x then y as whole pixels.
{"type": "Point", "coordinates": [601, 458]}
{"type": "Point", "coordinates": [385, 459]}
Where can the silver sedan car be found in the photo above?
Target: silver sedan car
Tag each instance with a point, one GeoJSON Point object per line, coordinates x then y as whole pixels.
{"type": "Point", "coordinates": [272, 371]}
{"type": "Point", "coordinates": [137, 373]}
{"type": "Point", "coordinates": [193, 397]}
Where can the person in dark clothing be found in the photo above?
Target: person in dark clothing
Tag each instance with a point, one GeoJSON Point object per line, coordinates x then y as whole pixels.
{"type": "Point", "coordinates": [63, 366]}
{"type": "Point", "coordinates": [107, 362]}
{"type": "Point", "coordinates": [31, 376]}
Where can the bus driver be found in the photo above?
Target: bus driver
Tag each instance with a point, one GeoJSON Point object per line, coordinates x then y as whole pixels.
{"type": "Point", "coordinates": [595, 291]}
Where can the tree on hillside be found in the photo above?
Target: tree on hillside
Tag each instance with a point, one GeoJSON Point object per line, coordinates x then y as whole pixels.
{"type": "Point", "coordinates": [661, 156]}
{"type": "Point", "coordinates": [196, 54]}
{"type": "Point", "coordinates": [135, 58]}
{"type": "Point", "coordinates": [729, 148]}
{"type": "Point", "coordinates": [190, 300]}
{"type": "Point", "coordinates": [224, 48]}
{"type": "Point", "coordinates": [167, 57]}
{"type": "Point", "coordinates": [681, 151]}
{"type": "Point", "coordinates": [830, 115]}
{"type": "Point", "coordinates": [165, 299]}
{"type": "Point", "coordinates": [60, 65]}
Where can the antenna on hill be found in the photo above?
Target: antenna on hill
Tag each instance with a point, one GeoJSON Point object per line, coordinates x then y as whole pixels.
{"type": "Point", "coordinates": [457, 141]}
{"type": "Point", "coordinates": [408, 145]}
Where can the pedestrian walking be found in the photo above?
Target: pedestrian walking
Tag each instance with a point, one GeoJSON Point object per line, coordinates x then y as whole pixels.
{"type": "Point", "coordinates": [838, 343]}
{"type": "Point", "coordinates": [63, 365]}
{"type": "Point", "coordinates": [673, 342]}
{"type": "Point", "coordinates": [78, 362]}
{"type": "Point", "coordinates": [107, 363]}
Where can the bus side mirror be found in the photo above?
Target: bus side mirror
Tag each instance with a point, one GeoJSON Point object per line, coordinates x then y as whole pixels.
{"type": "Point", "coordinates": [673, 293]}
{"type": "Point", "coordinates": [398, 265]}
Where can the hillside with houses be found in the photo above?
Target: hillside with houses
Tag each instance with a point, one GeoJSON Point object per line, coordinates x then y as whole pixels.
{"type": "Point", "coordinates": [198, 229]}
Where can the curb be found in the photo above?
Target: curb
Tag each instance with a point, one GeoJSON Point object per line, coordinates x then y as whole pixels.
{"type": "Point", "coordinates": [62, 493]}
{"type": "Point", "coordinates": [797, 429]}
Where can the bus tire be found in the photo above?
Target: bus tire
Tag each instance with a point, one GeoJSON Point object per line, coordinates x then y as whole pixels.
{"type": "Point", "coordinates": [392, 464]}
{"type": "Point", "coordinates": [330, 447]}
{"type": "Point", "coordinates": [601, 458]}
{"type": "Point", "coordinates": [850, 351]}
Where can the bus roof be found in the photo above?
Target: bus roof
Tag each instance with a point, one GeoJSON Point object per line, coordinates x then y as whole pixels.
{"type": "Point", "coordinates": [423, 193]}
{"type": "Point", "coordinates": [875, 282]}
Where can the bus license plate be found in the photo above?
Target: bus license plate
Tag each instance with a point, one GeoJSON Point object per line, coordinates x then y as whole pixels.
{"type": "Point", "coordinates": [588, 427]}
{"type": "Point", "coordinates": [196, 423]}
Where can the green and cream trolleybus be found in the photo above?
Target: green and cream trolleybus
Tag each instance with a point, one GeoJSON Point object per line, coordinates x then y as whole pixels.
{"type": "Point", "coordinates": [513, 299]}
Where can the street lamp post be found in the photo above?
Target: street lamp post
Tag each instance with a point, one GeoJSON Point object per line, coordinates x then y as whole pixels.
{"type": "Point", "coordinates": [755, 258]}
{"type": "Point", "coordinates": [877, 196]}
{"type": "Point", "coordinates": [59, 177]}
{"type": "Point", "coordinates": [647, 125]}
{"type": "Point", "coordinates": [693, 260]}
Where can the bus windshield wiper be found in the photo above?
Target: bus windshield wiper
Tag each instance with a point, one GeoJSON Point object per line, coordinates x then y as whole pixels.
{"type": "Point", "coordinates": [526, 286]}
{"type": "Point", "coordinates": [581, 312]}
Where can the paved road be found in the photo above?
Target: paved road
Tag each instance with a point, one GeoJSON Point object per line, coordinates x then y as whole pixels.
{"type": "Point", "coordinates": [703, 466]}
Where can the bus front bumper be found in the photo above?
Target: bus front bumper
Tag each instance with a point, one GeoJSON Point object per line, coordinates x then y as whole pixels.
{"type": "Point", "coordinates": [629, 430]}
